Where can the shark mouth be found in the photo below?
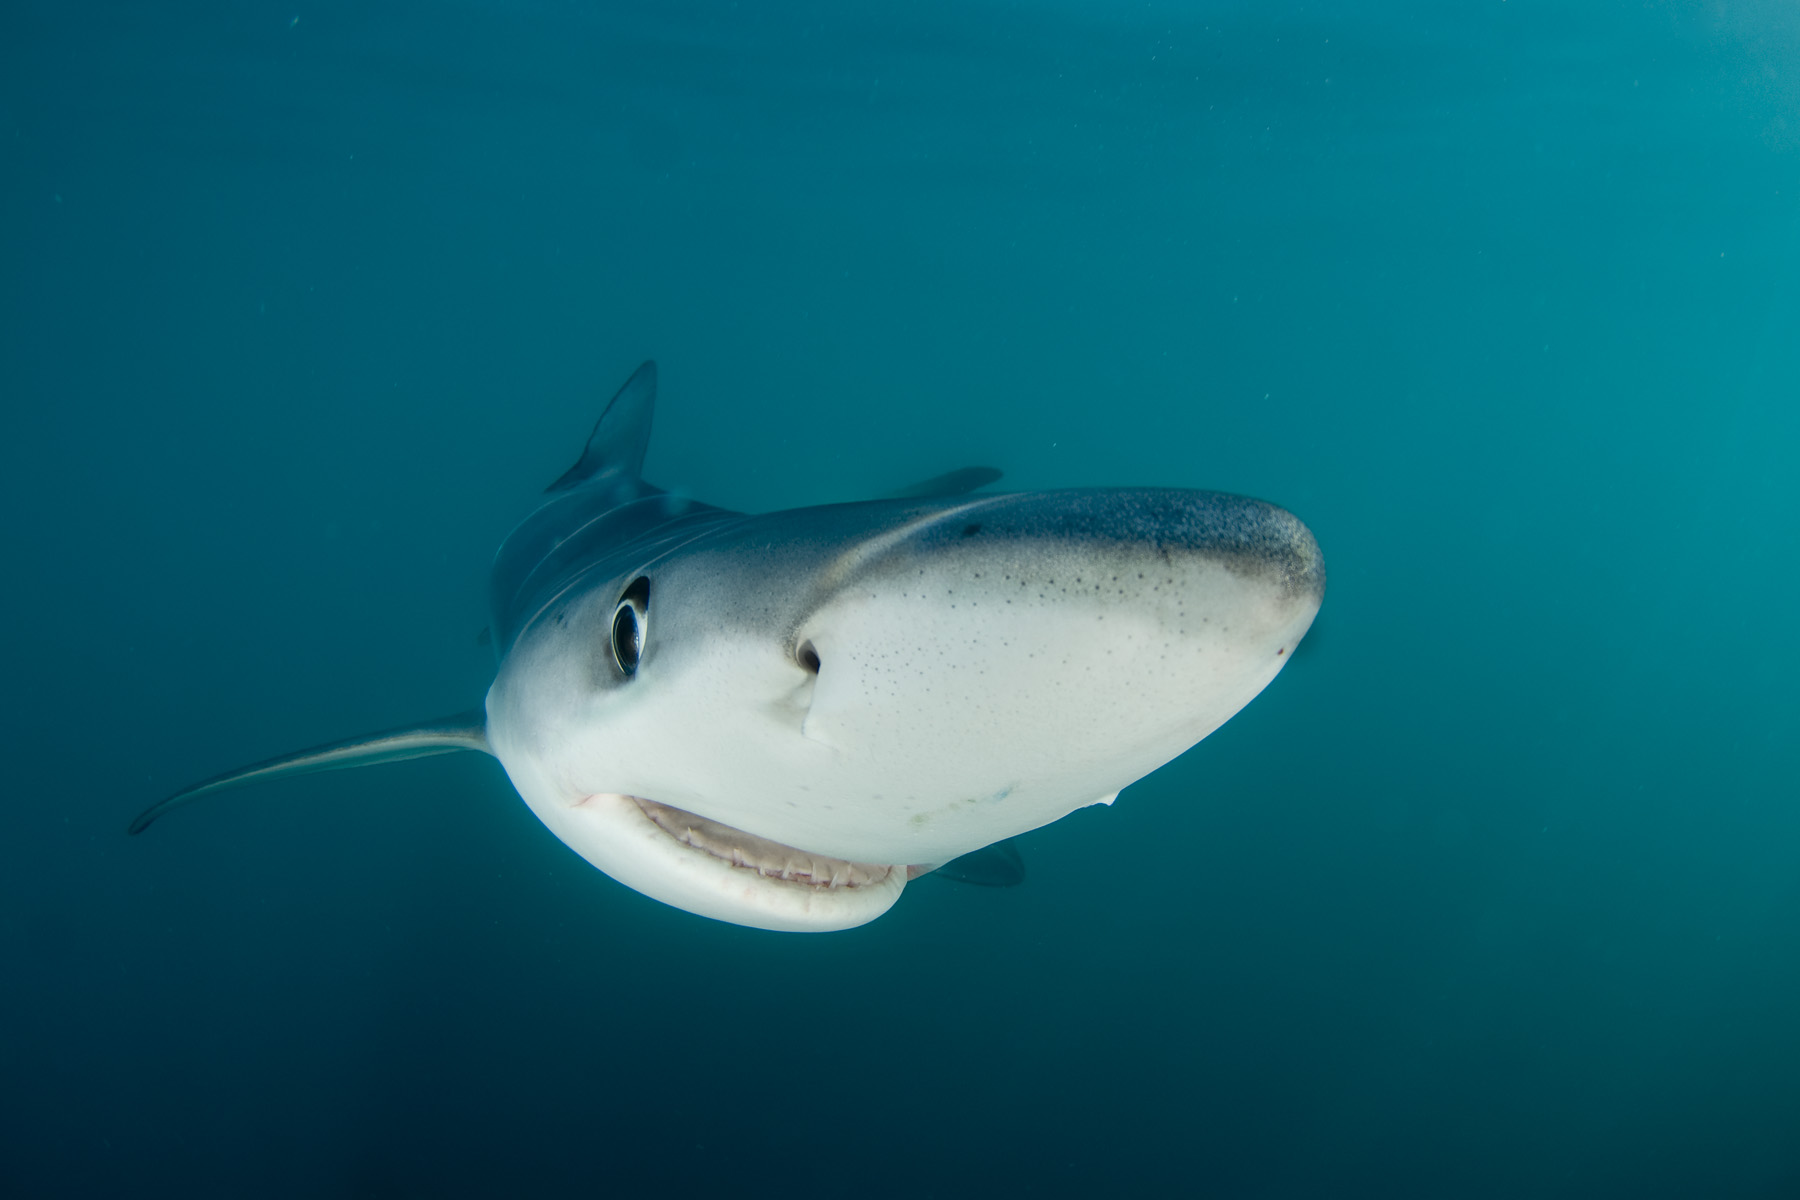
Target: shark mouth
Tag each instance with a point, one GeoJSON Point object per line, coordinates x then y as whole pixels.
{"type": "Point", "coordinates": [770, 859]}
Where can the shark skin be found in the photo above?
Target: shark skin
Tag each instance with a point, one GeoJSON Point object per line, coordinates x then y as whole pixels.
{"type": "Point", "coordinates": [778, 719]}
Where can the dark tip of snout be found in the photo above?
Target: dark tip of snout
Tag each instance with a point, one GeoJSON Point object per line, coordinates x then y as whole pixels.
{"type": "Point", "coordinates": [1252, 536]}
{"type": "Point", "coordinates": [1291, 550]}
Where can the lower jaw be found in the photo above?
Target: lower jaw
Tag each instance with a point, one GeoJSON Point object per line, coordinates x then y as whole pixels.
{"type": "Point", "coordinates": [769, 859]}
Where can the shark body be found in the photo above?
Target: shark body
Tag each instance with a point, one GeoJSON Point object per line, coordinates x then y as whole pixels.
{"type": "Point", "coordinates": [779, 719]}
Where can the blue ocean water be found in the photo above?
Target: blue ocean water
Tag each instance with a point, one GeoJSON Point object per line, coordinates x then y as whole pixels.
{"type": "Point", "coordinates": [1493, 893]}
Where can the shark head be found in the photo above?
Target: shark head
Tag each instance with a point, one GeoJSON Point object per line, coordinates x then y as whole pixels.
{"type": "Point", "coordinates": [776, 720]}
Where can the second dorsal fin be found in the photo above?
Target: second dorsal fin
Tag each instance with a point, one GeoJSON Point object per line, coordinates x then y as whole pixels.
{"type": "Point", "coordinates": [621, 435]}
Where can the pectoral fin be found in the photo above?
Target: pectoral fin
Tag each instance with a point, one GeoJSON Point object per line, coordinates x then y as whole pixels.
{"type": "Point", "coordinates": [998, 865]}
{"type": "Point", "coordinates": [464, 731]}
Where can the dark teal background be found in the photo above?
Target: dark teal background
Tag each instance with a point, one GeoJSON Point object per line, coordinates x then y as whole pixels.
{"type": "Point", "coordinates": [1493, 893]}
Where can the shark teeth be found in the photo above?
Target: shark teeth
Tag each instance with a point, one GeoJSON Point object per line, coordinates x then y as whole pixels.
{"type": "Point", "coordinates": [772, 860]}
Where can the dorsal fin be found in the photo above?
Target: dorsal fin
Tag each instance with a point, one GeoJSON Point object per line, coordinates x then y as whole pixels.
{"type": "Point", "coordinates": [620, 436]}
{"type": "Point", "coordinates": [464, 731]}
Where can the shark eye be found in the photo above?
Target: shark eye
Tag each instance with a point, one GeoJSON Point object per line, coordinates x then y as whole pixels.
{"type": "Point", "coordinates": [630, 625]}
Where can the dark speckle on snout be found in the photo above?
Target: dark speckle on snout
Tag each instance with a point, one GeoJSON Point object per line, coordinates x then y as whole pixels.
{"type": "Point", "coordinates": [1261, 539]}
{"type": "Point", "coordinates": [1251, 537]}
{"type": "Point", "coordinates": [1161, 526]}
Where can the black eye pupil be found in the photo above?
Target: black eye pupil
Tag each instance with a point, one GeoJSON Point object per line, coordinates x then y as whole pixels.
{"type": "Point", "coordinates": [627, 642]}
{"type": "Point", "coordinates": [628, 625]}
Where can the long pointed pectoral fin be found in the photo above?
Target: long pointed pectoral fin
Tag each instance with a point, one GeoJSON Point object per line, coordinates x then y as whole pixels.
{"type": "Point", "coordinates": [464, 731]}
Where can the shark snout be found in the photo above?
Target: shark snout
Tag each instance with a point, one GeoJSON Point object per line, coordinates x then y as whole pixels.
{"type": "Point", "coordinates": [1257, 541]}
{"type": "Point", "coordinates": [1022, 656]}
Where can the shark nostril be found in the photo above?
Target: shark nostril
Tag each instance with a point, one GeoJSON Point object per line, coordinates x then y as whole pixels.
{"type": "Point", "coordinates": [808, 657]}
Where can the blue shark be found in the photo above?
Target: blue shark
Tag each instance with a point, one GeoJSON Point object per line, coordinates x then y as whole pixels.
{"type": "Point", "coordinates": [780, 719]}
